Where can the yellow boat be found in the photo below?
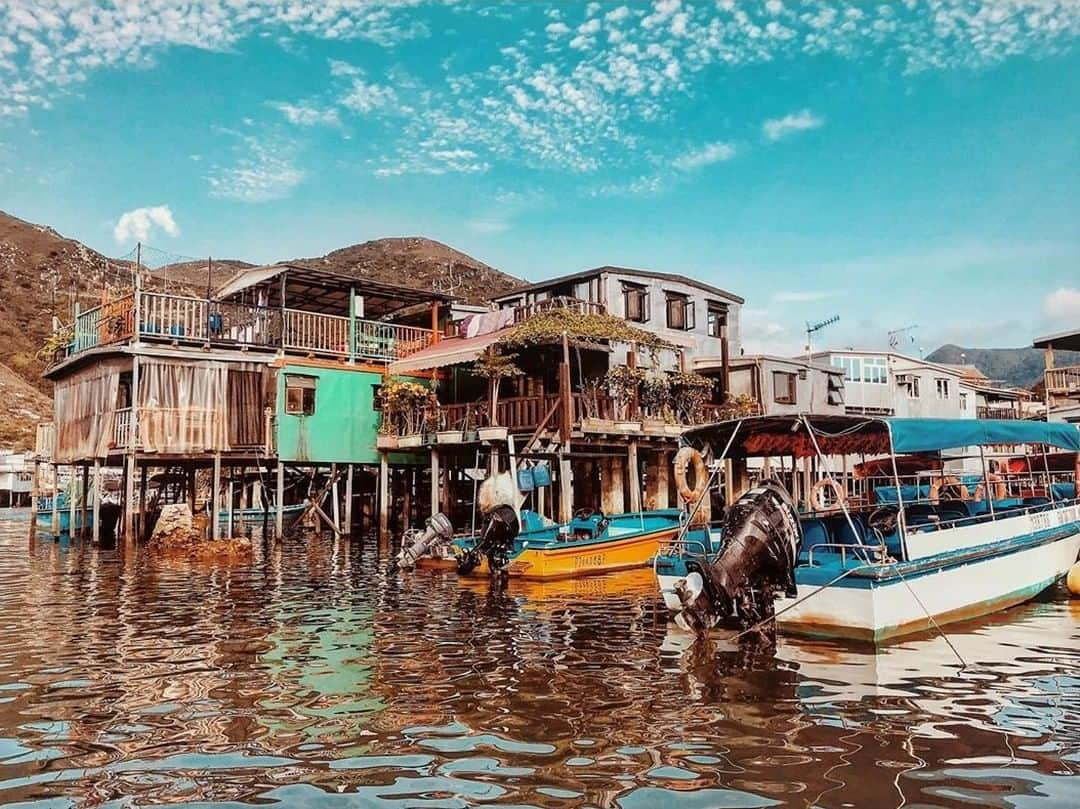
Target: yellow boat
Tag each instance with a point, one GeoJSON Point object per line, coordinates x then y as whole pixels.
{"type": "Point", "coordinates": [589, 544]}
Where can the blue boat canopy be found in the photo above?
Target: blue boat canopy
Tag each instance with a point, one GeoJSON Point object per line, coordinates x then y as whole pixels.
{"type": "Point", "coordinates": [847, 435]}
{"type": "Point", "coordinates": [928, 435]}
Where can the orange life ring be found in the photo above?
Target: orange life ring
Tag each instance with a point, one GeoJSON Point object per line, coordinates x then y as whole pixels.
{"type": "Point", "coordinates": [948, 482]}
{"type": "Point", "coordinates": [818, 489]}
{"type": "Point", "coordinates": [683, 459]}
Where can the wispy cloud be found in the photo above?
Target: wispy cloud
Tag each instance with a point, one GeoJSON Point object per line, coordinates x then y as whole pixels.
{"type": "Point", "coordinates": [646, 185]}
{"type": "Point", "coordinates": [805, 295]}
{"type": "Point", "coordinates": [1062, 306]}
{"type": "Point", "coordinates": [262, 172]}
{"type": "Point", "coordinates": [305, 114]}
{"type": "Point", "coordinates": [704, 156]}
{"type": "Point", "coordinates": [137, 225]}
{"type": "Point", "coordinates": [775, 129]}
{"type": "Point", "coordinates": [488, 226]}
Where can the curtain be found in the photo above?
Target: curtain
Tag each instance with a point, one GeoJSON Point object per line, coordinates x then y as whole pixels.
{"type": "Point", "coordinates": [84, 410]}
{"type": "Point", "coordinates": [246, 406]}
{"type": "Point", "coordinates": [182, 405]}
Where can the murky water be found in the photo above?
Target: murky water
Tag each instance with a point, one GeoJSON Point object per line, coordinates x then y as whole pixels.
{"type": "Point", "coordinates": [308, 677]}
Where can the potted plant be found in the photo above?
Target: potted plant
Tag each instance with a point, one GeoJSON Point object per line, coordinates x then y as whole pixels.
{"type": "Point", "coordinates": [655, 396]}
{"type": "Point", "coordinates": [406, 411]}
{"type": "Point", "coordinates": [690, 393]}
{"type": "Point", "coordinates": [592, 419]}
{"type": "Point", "coordinates": [495, 366]}
{"type": "Point", "coordinates": [624, 383]}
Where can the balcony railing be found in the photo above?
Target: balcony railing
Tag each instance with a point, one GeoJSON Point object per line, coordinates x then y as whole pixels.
{"type": "Point", "coordinates": [182, 319]}
{"type": "Point", "coordinates": [122, 429]}
{"type": "Point", "coordinates": [525, 311]}
{"type": "Point", "coordinates": [1005, 412]}
{"type": "Point", "coordinates": [1063, 382]}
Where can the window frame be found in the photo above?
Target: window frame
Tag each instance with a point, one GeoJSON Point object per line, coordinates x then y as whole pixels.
{"type": "Point", "coordinates": [791, 397]}
{"type": "Point", "coordinates": [942, 388]}
{"type": "Point", "coordinates": [306, 386]}
{"type": "Point", "coordinates": [678, 301]}
{"type": "Point", "coordinates": [716, 319]}
{"type": "Point", "coordinates": [642, 292]}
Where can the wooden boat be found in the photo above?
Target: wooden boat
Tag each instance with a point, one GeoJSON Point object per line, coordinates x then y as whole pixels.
{"type": "Point", "coordinates": [913, 560]}
{"type": "Point", "coordinates": [589, 544]}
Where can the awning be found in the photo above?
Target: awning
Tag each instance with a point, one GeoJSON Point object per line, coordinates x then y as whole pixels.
{"type": "Point", "coordinates": [446, 352]}
{"type": "Point", "coordinates": [1065, 340]}
{"type": "Point", "coordinates": [925, 435]}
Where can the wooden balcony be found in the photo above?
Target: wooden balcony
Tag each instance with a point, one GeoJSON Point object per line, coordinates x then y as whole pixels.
{"type": "Point", "coordinates": [198, 321]}
{"type": "Point", "coordinates": [525, 311]}
{"type": "Point", "coordinates": [998, 412]}
{"type": "Point", "coordinates": [1063, 382]}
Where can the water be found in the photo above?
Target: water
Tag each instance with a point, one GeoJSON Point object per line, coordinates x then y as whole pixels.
{"type": "Point", "coordinates": [308, 677]}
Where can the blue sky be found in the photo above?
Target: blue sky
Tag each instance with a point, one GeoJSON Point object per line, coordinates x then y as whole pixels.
{"type": "Point", "coordinates": [915, 162]}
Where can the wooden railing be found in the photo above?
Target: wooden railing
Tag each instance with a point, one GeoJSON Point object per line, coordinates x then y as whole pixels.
{"type": "Point", "coordinates": [525, 311]}
{"type": "Point", "coordinates": [1063, 381]}
{"type": "Point", "coordinates": [1003, 412]}
{"type": "Point", "coordinates": [183, 319]}
{"type": "Point", "coordinates": [45, 441]}
{"type": "Point", "coordinates": [122, 429]}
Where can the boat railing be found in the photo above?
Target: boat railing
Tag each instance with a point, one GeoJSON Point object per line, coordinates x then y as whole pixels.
{"type": "Point", "coordinates": [881, 552]}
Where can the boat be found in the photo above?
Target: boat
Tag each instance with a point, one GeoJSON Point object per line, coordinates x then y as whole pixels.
{"type": "Point", "coordinates": [591, 543]}
{"type": "Point", "coordinates": [900, 558]}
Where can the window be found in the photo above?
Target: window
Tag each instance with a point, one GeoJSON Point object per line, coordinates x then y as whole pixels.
{"type": "Point", "coordinates": [873, 370]}
{"type": "Point", "coordinates": [836, 390]}
{"type": "Point", "coordinates": [717, 319]}
{"type": "Point", "coordinates": [942, 388]}
{"type": "Point", "coordinates": [636, 303]}
{"type": "Point", "coordinates": [299, 395]}
{"type": "Point", "coordinates": [680, 312]}
{"type": "Point", "coordinates": [913, 390]}
{"type": "Point", "coordinates": [963, 401]}
{"type": "Point", "coordinates": [784, 388]}
{"type": "Point", "coordinates": [376, 398]}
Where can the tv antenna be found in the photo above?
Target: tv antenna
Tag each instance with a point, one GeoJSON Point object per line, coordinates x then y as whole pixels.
{"type": "Point", "coordinates": [813, 328]}
{"type": "Point", "coordinates": [905, 334]}
{"type": "Point", "coordinates": [447, 284]}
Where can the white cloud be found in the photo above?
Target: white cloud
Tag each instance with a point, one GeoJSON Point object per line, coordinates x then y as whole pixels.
{"type": "Point", "coordinates": [1062, 306]}
{"type": "Point", "coordinates": [776, 128]}
{"type": "Point", "coordinates": [704, 156]}
{"type": "Point", "coordinates": [364, 96]}
{"type": "Point", "coordinates": [263, 172]}
{"type": "Point", "coordinates": [137, 225]}
{"type": "Point", "coordinates": [303, 114]}
{"type": "Point", "coordinates": [644, 186]}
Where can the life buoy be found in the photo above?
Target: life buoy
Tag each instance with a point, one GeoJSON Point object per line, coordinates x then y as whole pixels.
{"type": "Point", "coordinates": [998, 483]}
{"type": "Point", "coordinates": [683, 459]}
{"type": "Point", "coordinates": [818, 490]}
{"type": "Point", "coordinates": [945, 483]}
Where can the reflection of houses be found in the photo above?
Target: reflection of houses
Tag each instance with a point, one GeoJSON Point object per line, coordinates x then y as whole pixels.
{"type": "Point", "coordinates": [282, 366]}
{"type": "Point", "coordinates": [1062, 383]}
{"type": "Point", "coordinates": [593, 349]}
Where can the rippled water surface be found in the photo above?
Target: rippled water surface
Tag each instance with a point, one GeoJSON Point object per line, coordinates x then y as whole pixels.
{"type": "Point", "coordinates": [309, 677]}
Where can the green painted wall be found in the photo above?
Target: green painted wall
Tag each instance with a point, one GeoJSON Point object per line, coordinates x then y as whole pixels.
{"type": "Point", "coordinates": [344, 425]}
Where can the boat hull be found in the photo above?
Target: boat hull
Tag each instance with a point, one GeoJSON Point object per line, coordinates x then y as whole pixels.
{"type": "Point", "coordinates": [588, 559]}
{"type": "Point", "coordinates": [880, 603]}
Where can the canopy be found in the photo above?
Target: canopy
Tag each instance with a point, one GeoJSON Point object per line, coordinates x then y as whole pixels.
{"type": "Point", "coordinates": [925, 435]}
{"type": "Point", "coordinates": [849, 435]}
{"type": "Point", "coordinates": [449, 351]}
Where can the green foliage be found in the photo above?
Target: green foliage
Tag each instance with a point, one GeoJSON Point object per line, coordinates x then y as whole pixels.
{"type": "Point", "coordinates": [408, 408]}
{"type": "Point", "coordinates": [690, 393]}
{"type": "Point", "coordinates": [493, 364]}
{"type": "Point", "coordinates": [54, 342]}
{"type": "Point", "coordinates": [589, 327]}
{"type": "Point", "coordinates": [656, 397]}
{"type": "Point", "coordinates": [738, 406]}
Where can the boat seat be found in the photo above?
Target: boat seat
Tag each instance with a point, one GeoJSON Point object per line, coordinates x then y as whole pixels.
{"type": "Point", "coordinates": [814, 533]}
{"type": "Point", "coordinates": [840, 530]}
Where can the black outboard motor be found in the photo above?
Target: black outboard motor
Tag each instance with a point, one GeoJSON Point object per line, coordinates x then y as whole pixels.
{"type": "Point", "coordinates": [501, 527]}
{"type": "Point", "coordinates": [761, 535]}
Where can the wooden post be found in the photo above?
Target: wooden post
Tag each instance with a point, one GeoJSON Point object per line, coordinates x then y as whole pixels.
{"type": "Point", "coordinates": [142, 504]}
{"type": "Point", "coordinates": [612, 495]}
{"type": "Point", "coordinates": [349, 499]}
{"type": "Point", "coordinates": [659, 483]}
{"type": "Point", "coordinates": [35, 494]}
{"type": "Point", "coordinates": [96, 514]}
{"type": "Point", "coordinates": [55, 524]}
{"type": "Point", "coordinates": [279, 501]}
{"type": "Point", "coordinates": [335, 508]}
{"type": "Point", "coordinates": [129, 497]}
{"type": "Point", "coordinates": [566, 492]}
{"type": "Point", "coordinates": [215, 499]}
{"type": "Point", "coordinates": [84, 505]}
{"type": "Point", "coordinates": [634, 475]}
{"type": "Point", "coordinates": [436, 335]}
{"type": "Point", "coordinates": [230, 493]}
{"type": "Point", "coordinates": [72, 480]}
{"type": "Point", "coordinates": [436, 481]}
{"type": "Point", "coordinates": [384, 494]}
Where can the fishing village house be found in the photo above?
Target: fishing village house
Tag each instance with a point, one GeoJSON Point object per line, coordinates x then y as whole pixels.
{"type": "Point", "coordinates": [16, 476]}
{"type": "Point", "coordinates": [276, 375]}
{"type": "Point", "coordinates": [1061, 383]}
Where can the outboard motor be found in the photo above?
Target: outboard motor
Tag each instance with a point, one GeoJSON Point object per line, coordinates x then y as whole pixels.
{"type": "Point", "coordinates": [501, 527]}
{"type": "Point", "coordinates": [438, 532]}
{"type": "Point", "coordinates": [762, 535]}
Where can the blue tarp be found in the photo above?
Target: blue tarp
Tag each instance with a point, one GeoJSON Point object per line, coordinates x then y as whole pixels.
{"type": "Point", "coordinates": [928, 435]}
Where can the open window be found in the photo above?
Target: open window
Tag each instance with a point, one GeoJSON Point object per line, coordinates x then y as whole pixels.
{"type": "Point", "coordinates": [300, 394]}
{"type": "Point", "coordinates": [680, 312]}
{"type": "Point", "coordinates": [836, 390]}
{"type": "Point", "coordinates": [717, 319]}
{"type": "Point", "coordinates": [635, 302]}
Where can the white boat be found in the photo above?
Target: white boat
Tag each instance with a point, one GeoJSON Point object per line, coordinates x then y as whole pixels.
{"type": "Point", "coordinates": [873, 570]}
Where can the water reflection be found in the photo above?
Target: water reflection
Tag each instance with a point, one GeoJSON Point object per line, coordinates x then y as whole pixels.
{"type": "Point", "coordinates": [308, 676]}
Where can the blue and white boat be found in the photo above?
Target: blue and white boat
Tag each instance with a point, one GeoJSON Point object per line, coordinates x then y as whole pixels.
{"type": "Point", "coordinates": [879, 567]}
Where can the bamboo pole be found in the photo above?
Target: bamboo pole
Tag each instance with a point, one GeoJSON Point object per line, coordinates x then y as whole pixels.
{"type": "Point", "coordinates": [634, 475]}
{"type": "Point", "coordinates": [84, 504]}
{"type": "Point", "coordinates": [96, 516]}
{"type": "Point", "coordinates": [384, 495]}
{"type": "Point", "coordinates": [215, 499]}
{"type": "Point", "coordinates": [349, 499]}
{"type": "Point", "coordinates": [279, 501]}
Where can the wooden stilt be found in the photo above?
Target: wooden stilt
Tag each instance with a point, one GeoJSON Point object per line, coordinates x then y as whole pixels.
{"type": "Point", "coordinates": [634, 474]}
{"type": "Point", "coordinates": [384, 495]}
{"type": "Point", "coordinates": [566, 495]}
{"type": "Point", "coordinates": [35, 494]}
{"type": "Point", "coordinates": [84, 505]}
{"type": "Point", "coordinates": [436, 481]}
{"type": "Point", "coordinates": [335, 505]}
{"type": "Point", "coordinates": [96, 516]}
{"type": "Point", "coordinates": [279, 501]}
{"type": "Point", "coordinates": [350, 472]}
{"type": "Point", "coordinates": [55, 524]}
{"type": "Point", "coordinates": [215, 499]}
{"type": "Point", "coordinates": [73, 479]}
{"type": "Point", "coordinates": [143, 516]}
{"type": "Point", "coordinates": [129, 498]}
{"type": "Point", "coordinates": [230, 493]}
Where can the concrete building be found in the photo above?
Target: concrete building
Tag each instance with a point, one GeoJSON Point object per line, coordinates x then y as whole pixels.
{"type": "Point", "coordinates": [16, 480]}
{"type": "Point", "coordinates": [781, 385]}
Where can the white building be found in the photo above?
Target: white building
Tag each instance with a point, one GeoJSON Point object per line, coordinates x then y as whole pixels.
{"type": "Point", "coordinates": [16, 479]}
{"type": "Point", "coordinates": [782, 386]}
